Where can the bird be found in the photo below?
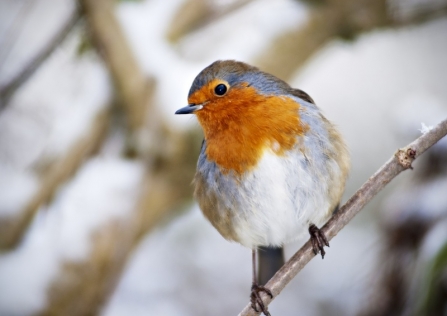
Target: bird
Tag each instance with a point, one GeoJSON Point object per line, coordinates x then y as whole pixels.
{"type": "Point", "coordinates": [271, 167]}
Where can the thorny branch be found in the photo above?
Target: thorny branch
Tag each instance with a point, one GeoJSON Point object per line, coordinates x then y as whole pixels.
{"type": "Point", "coordinates": [397, 163]}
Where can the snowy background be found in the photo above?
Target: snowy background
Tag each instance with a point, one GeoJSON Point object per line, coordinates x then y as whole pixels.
{"type": "Point", "coordinates": [378, 88]}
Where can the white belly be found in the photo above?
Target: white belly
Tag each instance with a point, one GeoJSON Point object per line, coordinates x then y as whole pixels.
{"type": "Point", "coordinates": [285, 198]}
{"type": "Point", "coordinates": [271, 205]}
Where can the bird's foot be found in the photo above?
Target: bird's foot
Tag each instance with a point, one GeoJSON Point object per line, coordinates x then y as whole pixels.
{"type": "Point", "coordinates": [318, 239]}
{"type": "Point", "coordinates": [256, 300]}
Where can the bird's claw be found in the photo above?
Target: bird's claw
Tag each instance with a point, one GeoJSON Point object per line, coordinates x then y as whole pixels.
{"type": "Point", "coordinates": [256, 299]}
{"type": "Point", "coordinates": [318, 240]}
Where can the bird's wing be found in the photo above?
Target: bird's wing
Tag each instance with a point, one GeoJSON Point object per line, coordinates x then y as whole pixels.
{"type": "Point", "coordinates": [302, 95]}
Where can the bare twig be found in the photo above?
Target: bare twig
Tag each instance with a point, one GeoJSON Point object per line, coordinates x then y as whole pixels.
{"type": "Point", "coordinates": [7, 91]}
{"type": "Point", "coordinates": [398, 163]}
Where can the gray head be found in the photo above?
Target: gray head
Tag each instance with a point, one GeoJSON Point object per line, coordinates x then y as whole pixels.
{"type": "Point", "coordinates": [236, 73]}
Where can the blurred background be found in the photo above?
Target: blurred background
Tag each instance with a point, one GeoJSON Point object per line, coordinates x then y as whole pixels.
{"type": "Point", "coordinates": [96, 208]}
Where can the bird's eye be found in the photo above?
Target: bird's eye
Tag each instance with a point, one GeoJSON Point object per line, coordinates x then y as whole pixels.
{"type": "Point", "coordinates": [220, 89]}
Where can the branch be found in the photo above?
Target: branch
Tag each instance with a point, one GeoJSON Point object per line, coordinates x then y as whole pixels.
{"type": "Point", "coordinates": [132, 87]}
{"type": "Point", "coordinates": [194, 15]}
{"type": "Point", "coordinates": [327, 20]}
{"type": "Point", "coordinates": [82, 287]}
{"type": "Point", "coordinates": [7, 91]}
{"type": "Point", "coordinates": [332, 19]}
{"type": "Point", "coordinates": [12, 229]}
{"type": "Point", "coordinates": [400, 161]}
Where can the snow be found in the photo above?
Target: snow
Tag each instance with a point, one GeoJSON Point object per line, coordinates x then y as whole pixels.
{"type": "Point", "coordinates": [16, 190]}
{"type": "Point", "coordinates": [184, 260]}
{"type": "Point", "coordinates": [423, 201]}
{"type": "Point", "coordinates": [18, 22]}
{"type": "Point", "coordinates": [46, 117]}
{"type": "Point", "coordinates": [379, 88]}
{"type": "Point", "coordinates": [65, 95]}
{"type": "Point", "coordinates": [425, 129]}
{"type": "Point", "coordinates": [416, 109]}
{"type": "Point", "coordinates": [435, 240]}
{"type": "Point", "coordinates": [103, 190]}
{"type": "Point", "coordinates": [221, 40]}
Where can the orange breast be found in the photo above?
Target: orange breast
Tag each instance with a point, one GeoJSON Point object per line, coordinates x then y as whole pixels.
{"type": "Point", "coordinates": [241, 125]}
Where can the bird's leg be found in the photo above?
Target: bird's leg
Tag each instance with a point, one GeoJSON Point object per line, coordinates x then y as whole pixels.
{"type": "Point", "coordinates": [318, 239]}
{"type": "Point", "coordinates": [255, 298]}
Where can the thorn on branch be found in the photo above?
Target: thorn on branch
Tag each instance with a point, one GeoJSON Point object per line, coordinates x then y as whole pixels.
{"type": "Point", "coordinates": [405, 157]}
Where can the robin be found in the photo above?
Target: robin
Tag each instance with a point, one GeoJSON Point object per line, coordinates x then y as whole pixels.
{"type": "Point", "coordinates": [271, 166]}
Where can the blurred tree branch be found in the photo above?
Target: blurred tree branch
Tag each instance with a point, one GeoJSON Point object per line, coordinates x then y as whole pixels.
{"type": "Point", "coordinates": [196, 14]}
{"type": "Point", "coordinates": [13, 228]}
{"type": "Point", "coordinates": [82, 287]}
{"type": "Point", "coordinates": [331, 19]}
{"type": "Point", "coordinates": [8, 90]}
{"type": "Point", "coordinates": [132, 86]}
{"type": "Point", "coordinates": [400, 161]}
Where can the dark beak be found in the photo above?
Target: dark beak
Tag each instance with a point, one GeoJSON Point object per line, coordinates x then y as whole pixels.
{"type": "Point", "coordinates": [191, 108]}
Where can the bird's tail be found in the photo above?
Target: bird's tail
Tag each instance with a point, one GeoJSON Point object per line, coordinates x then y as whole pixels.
{"type": "Point", "coordinates": [270, 260]}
